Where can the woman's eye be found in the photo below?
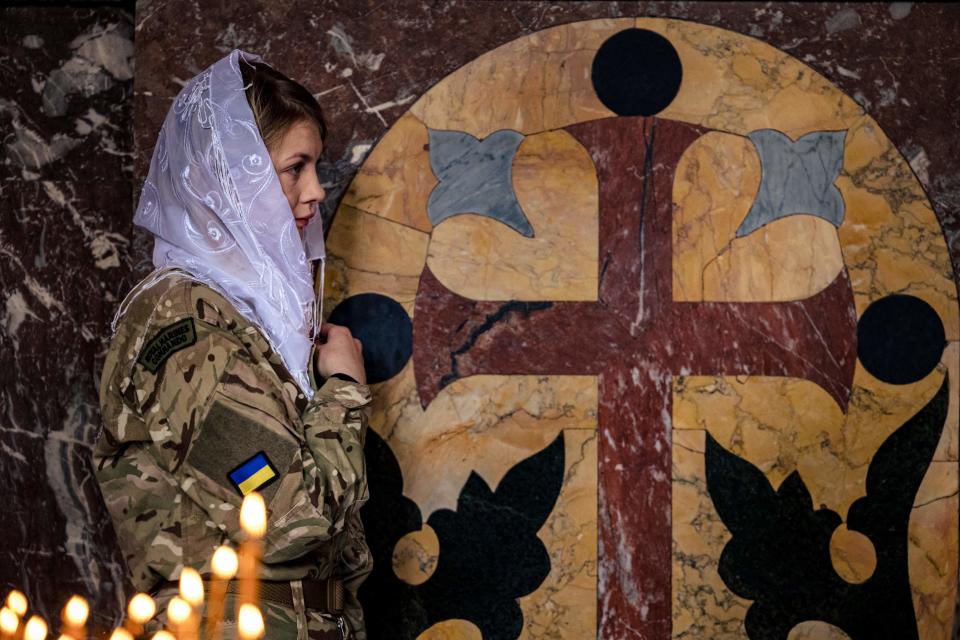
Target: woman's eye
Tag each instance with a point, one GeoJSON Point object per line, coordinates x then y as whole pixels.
{"type": "Point", "coordinates": [295, 169]}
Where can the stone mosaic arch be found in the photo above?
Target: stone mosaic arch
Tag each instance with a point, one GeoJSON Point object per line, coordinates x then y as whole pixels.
{"type": "Point", "coordinates": [664, 337]}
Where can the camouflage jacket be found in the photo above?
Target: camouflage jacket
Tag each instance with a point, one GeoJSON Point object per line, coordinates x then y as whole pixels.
{"type": "Point", "coordinates": [192, 398]}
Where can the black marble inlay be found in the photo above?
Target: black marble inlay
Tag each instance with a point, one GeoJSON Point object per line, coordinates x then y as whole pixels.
{"type": "Point", "coordinates": [637, 72]}
{"type": "Point", "coordinates": [779, 555]}
{"type": "Point", "coordinates": [383, 328]}
{"type": "Point", "coordinates": [489, 556]}
{"type": "Point", "coordinates": [900, 339]}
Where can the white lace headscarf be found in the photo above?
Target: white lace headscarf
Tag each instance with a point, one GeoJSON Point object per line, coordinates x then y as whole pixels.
{"type": "Point", "coordinates": [214, 203]}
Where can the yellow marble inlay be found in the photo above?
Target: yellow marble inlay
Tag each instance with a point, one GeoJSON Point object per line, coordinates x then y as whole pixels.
{"type": "Point", "coordinates": [932, 551]}
{"type": "Point", "coordinates": [395, 179]}
{"type": "Point", "coordinates": [853, 555]}
{"type": "Point", "coordinates": [738, 84]}
{"type": "Point", "coordinates": [492, 421]}
{"type": "Point", "coordinates": [415, 555]}
{"type": "Point", "coordinates": [891, 239]}
{"type": "Point", "coordinates": [565, 605]}
{"type": "Point", "coordinates": [556, 186]}
{"type": "Point", "coordinates": [817, 630]}
{"type": "Point", "coordinates": [452, 630]}
{"type": "Point", "coordinates": [716, 182]}
{"type": "Point", "coordinates": [731, 82]}
{"type": "Point", "coordinates": [367, 253]}
{"type": "Point", "coordinates": [703, 607]}
{"type": "Point", "coordinates": [532, 84]}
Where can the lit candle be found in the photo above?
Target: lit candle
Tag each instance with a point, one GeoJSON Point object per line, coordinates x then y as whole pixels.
{"type": "Point", "coordinates": [249, 622]}
{"type": "Point", "coordinates": [253, 521]}
{"type": "Point", "coordinates": [35, 629]}
{"type": "Point", "coordinates": [163, 635]}
{"type": "Point", "coordinates": [191, 590]}
{"type": "Point", "coordinates": [139, 610]}
{"type": "Point", "coordinates": [9, 621]}
{"type": "Point", "coordinates": [74, 617]}
{"type": "Point", "coordinates": [17, 602]}
{"type": "Point", "coordinates": [178, 612]}
{"type": "Point", "coordinates": [121, 634]}
{"type": "Point", "coordinates": [224, 564]}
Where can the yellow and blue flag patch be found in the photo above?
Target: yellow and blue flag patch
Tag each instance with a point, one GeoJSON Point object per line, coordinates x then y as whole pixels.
{"type": "Point", "coordinates": [253, 474]}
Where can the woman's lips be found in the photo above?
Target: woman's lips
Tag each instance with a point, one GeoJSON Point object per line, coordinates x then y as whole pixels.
{"type": "Point", "coordinates": [302, 222]}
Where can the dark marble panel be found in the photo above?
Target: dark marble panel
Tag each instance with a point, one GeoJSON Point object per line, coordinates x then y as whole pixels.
{"type": "Point", "coordinates": [67, 109]}
{"type": "Point", "coordinates": [66, 254]}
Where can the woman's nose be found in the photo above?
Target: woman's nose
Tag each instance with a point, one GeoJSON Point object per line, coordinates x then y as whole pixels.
{"type": "Point", "coordinates": [314, 190]}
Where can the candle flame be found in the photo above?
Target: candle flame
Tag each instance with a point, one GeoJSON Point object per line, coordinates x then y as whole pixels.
{"type": "Point", "coordinates": [9, 621]}
{"type": "Point", "coordinates": [17, 602]}
{"type": "Point", "coordinates": [36, 629]}
{"type": "Point", "coordinates": [121, 634]}
{"type": "Point", "coordinates": [253, 515]}
{"type": "Point", "coordinates": [224, 563]}
{"type": "Point", "coordinates": [76, 612]}
{"type": "Point", "coordinates": [141, 608]}
{"type": "Point", "coordinates": [191, 586]}
{"type": "Point", "coordinates": [163, 635]}
{"type": "Point", "coordinates": [250, 622]}
{"type": "Point", "coordinates": [178, 610]}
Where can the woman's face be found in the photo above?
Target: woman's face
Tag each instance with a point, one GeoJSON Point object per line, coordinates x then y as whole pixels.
{"type": "Point", "coordinates": [295, 160]}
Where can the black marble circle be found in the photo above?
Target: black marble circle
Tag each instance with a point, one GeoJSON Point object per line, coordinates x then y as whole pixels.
{"type": "Point", "coordinates": [900, 339]}
{"type": "Point", "coordinates": [383, 327]}
{"type": "Point", "coordinates": [636, 72]}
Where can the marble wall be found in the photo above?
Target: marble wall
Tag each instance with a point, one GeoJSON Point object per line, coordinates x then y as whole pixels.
{"type": "Point", "coordinates": [666, 349]}
{"type": "Point", "coordinates": [68, 254]}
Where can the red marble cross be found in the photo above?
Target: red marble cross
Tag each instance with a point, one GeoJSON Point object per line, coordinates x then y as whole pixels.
{"type": "Point", "coordinates": [634, 338]}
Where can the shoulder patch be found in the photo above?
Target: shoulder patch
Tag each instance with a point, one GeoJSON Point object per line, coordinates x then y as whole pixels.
{"type": "Point", "coordinates": [239, 451]}
{"type": "Point", "coordinates": [166, 342]}
{"type": "Point", "coordinates": [252, 474]}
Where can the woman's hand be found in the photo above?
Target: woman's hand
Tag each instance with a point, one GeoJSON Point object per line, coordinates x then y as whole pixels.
{"type": "Point", "coordinates": [339, 352]}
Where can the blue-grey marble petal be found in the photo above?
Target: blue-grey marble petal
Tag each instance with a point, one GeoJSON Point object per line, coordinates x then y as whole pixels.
{"type": "Point", "coordinates": [796, 177]}
{"type": "Point", "coordinates": [475, 177]}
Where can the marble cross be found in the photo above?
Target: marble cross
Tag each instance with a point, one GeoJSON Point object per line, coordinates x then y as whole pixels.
{"type": "Point", "coordinates": [635, 338]}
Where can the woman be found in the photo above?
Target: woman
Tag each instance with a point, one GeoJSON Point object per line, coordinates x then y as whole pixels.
{"type": "Point", "coordinates": [219, 381]}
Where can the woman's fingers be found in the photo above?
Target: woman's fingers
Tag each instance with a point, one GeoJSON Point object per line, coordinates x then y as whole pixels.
{"type": "Point", "coordinates": [324, 329]}
{"type": "Point", "coordinates": [334, 352]}
{"type": "Point", "coordinates": [327, 328]}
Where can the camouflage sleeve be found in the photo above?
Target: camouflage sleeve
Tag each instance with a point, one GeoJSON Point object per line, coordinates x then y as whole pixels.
{"type": "Point", "coordinates": [355, 562]}
{"type": "Point", "coordinates": [354, 559]}
{"type": "Point", "coordinates": [222, 423]}
{"type": "Point", "coordinates": [336, 425]}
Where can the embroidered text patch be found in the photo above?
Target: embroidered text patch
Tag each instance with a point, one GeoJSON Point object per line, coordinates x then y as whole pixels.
{"type": "Point", "coordinates": [168, 340]}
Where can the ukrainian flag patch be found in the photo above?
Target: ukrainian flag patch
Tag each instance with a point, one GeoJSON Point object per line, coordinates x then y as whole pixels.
{"type": "Point", "coordinates": [255, 473]}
